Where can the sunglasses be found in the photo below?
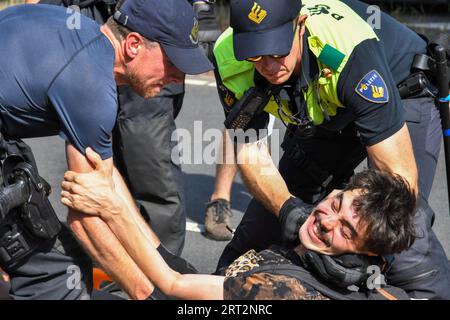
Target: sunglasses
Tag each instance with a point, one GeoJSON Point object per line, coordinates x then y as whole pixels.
{"type": "Point", "coordinates": [273, 56]}
{"type": "Point", "coordinates": [258, 58]}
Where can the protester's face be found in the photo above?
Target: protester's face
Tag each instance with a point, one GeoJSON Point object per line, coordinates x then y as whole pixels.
{"type": "Point", "coordinates": [279, 70]}
{"type": "Point", "coordinates": [150, 70]}
{"type": "Point", "coordinates": [332, 228]}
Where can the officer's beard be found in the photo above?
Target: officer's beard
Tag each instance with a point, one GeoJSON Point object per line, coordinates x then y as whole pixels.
{"type": "Point", "coordinates": [138, 85]}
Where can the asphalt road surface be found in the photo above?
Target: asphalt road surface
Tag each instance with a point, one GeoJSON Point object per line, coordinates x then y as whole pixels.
{"type": "Point", "coordinates": [202, 104]}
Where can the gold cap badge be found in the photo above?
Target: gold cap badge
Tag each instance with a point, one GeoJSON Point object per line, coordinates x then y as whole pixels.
{"type": "Point", "coordinates": [257, 14]}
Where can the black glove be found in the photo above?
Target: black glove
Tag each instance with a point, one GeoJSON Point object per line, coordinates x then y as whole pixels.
{"type": "Point", "coordinates": [293, 214]}
{"type": "Point", "coordinates": [344, 270]}
{"type": "Point", "coordinates": [209, 29]}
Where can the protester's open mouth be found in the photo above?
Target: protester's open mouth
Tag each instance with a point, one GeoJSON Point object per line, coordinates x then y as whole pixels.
{"type": "Point", "coordinates": [314, 233]}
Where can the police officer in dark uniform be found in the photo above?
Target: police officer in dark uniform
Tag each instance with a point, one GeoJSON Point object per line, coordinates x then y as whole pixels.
{"type": "Point", "coordinates": [143, 146]}
{"type": "Point", "coordinates": [59, 78]}
{"type": "Point", "coordinates": [340, 79]}
{"type": "Point", "coordinates": [142, 136]}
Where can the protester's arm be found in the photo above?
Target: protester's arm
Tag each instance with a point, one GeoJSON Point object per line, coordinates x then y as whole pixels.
{"type": "Point", "coordinates": [31, 1]}
{"type": "Point", "coordinates": [100, 242]}
{"type": "Point", "coordinates": [143, 251]}
{"type": "Point", "coordinates": [96, 195]}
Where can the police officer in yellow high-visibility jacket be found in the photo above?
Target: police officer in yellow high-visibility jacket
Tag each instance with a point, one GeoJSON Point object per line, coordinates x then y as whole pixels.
{"type": "Point", "coordinates": [341, 77]}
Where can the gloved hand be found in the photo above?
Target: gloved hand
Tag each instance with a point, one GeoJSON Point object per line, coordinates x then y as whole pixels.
{"type": "Point", "coordinates": [344, 270]}
{"type": "Point", "coordinates": [209, 29]}
{"type": "Point", "coordinates": [293, 214]}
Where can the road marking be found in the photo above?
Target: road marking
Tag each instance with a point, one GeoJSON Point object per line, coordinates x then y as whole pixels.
{"type": "Point", "coordinates": [430, 25]}
{"type": "Point", "coordinates": [196, 82]}
{"type": "Point", "coordinates": [195, 227]}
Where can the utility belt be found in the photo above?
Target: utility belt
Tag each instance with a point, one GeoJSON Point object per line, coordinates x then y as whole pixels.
{"type": "Point", "coordinates": [27, 218]}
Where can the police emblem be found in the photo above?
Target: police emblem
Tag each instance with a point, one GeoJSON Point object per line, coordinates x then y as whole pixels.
{"type": "Point", "coordinates": [257, 14]}
{"type": "Point", "coordinates": [372, 87]}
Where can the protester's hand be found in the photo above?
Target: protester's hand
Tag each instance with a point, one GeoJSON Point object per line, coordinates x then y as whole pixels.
{"type": "Point", "coordinates": [92, 193]}
{"type": "Point", "coordinates": [209, 29]}
{"type": "Point", "coordinates": [293, 214]}
{"type": "Point", "coordinates": [344, 270]}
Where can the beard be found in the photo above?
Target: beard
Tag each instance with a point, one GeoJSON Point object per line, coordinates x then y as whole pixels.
{"type": "Point", "coordinates": [138, 86]}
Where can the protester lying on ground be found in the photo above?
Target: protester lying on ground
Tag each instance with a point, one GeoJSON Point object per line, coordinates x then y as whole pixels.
{"type": "Point", "coordinates": [372, 217]}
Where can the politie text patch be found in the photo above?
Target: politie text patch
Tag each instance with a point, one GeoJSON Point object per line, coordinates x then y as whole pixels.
{"type": "Point", "coordinates": [373, 88]}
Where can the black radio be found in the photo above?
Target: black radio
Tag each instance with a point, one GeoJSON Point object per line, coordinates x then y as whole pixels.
{"type": "Point", "coordinates": [251, 104]}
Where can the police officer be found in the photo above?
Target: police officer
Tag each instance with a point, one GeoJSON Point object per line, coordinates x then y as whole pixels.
{"type": "Point", "coordinates": [333, 81]}
{"type": "Point", "coordinates": [57, 78]}
{"type": "Point", "coordinates": [142, 135]}
{"type": "Point", "coordinates": [143, 146]}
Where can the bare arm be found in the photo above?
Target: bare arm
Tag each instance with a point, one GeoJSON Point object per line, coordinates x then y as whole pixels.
{"type": "Point", "coordinates": [395, 155]}
{"type": "Point", "coordinates": [261, 176]}
{"type": "Point", "coordinates": [100, 242]}
{"type": "Point", "coordinates": [172, 283]}
{"type": "Point", "coordinates": [94, 194]}
{"type": "Point", "coordinates": [226, 169]}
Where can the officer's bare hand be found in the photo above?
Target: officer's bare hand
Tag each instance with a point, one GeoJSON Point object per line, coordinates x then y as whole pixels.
{"type": "Point", "coordinates": [91, 193]}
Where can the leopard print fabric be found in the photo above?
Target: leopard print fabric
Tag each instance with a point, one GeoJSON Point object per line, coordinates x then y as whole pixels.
{"type": "Point", "coordinates": [246, 262]}
{"type": "Point", "coordinates": [263, 285]}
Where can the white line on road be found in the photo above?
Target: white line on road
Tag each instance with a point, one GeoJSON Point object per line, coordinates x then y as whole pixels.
{"type": "Point", "coordinates": [195, 227]}
{"type": "Point", "coordinates": [196, 82]}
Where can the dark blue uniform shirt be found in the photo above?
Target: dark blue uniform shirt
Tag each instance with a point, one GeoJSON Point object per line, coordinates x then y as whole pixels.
{"type": "Point", "coordinates": [56, 77]}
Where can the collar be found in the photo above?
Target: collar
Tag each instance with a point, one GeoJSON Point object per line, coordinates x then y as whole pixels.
{"type": "Point", "coordinates": [309, 71]}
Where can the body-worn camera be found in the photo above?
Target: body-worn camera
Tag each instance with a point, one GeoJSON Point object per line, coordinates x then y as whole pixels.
{"type": "Point", "coordinates": [27, 218]}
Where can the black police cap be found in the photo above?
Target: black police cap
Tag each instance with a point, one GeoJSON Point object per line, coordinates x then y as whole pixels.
{"type": "Point", "coordinates": [263, 27]}
{"type": "Point", "coordinates": [172, 24]}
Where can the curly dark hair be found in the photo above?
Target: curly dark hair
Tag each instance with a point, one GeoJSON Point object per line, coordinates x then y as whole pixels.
{"type": "Point", "coordinates": [386, 207]}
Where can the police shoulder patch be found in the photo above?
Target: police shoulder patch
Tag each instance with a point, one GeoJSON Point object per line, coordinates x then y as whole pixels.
{"type": "Point", "coordinates": [227, 96]}
{"type": "Point", "coordinates": [372, 87]}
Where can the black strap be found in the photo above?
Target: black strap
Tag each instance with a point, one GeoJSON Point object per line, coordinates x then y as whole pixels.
{"type": "Point", "coordinates": [305, 276]}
